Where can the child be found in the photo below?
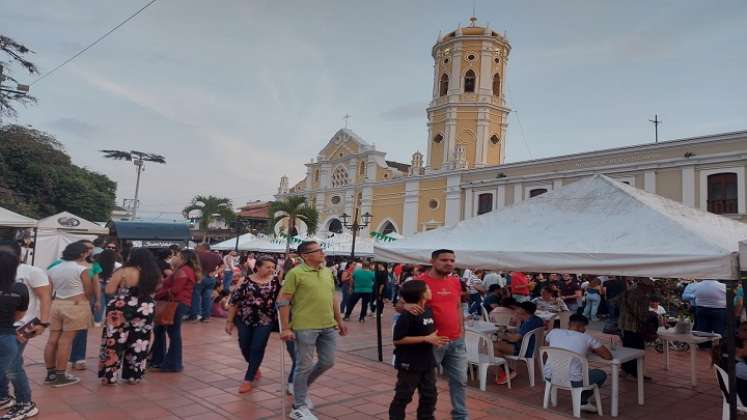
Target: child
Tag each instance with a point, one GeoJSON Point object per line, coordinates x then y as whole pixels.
{"type": "Point", "coordinates": [655, 307]}
{"type": "Point", "coordinates": [414, 338]}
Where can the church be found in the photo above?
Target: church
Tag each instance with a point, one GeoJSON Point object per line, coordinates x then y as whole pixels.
{"type": "Point", "coordinates": [463, 173]}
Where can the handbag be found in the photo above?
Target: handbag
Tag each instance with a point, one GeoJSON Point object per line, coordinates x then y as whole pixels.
{"type": "Point", "coordinates": [165, 311]}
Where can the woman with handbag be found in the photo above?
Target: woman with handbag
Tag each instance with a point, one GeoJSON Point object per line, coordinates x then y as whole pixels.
{"type": "Point", "coordinates": [173, 301]}
{"type": "Point", "coordinates": [125, 337]}
{"type": "Point", "coordinates": [252, 311]}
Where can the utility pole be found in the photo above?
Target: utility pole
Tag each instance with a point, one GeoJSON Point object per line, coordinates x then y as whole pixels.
{"type": "Point", "coordinates": [19, 91]}
{"type": "Point", "coordinates": [656, 121]}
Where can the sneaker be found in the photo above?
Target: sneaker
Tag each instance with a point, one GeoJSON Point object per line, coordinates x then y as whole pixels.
{"type": "Point", "coordinates": [80, 365]}
{"type": "Point", "coordinates": [309, 403]}
{"type": "Point", "coordinates": [65, 380]}
{"type": "Point", "coordinates": [245, 387]}
{"type": "Point", "coordinates": [7, 402]}
{"type": "Point", "coordinates": [502, 379]}
{"type": "Point", "coordinates": [50, 378]}
{"type": "Point", "coordinates": [589, 407]}
{"type": "Point", "coordinates": [302, 413]}
{"type": "Point", "coordinates": [21, 411]}
{"type": "Point", "coordinates": [289, 389]}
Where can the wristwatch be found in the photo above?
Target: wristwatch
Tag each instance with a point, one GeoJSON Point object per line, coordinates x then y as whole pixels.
{"type": "Point", "coordinates": [44, 324]}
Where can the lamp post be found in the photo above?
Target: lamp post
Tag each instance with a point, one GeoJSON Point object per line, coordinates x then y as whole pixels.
{"type": "Point", "coordinates": [355, 227]}
{"type": "Point", "coordinates": [238, 224]}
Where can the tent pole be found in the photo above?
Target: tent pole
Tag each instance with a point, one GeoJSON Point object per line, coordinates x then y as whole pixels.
{"type": "Point", "coordinates": [33, 255]}
{"type": "Point", "coordinates": [731, 348]}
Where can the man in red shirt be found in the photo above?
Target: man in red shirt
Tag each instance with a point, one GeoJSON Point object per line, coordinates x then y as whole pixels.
{"type": "Point", "coordinates": [446, 305]}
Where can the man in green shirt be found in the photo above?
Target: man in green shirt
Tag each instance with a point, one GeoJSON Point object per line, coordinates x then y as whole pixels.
{"type": "Point", "coordinates": [363, 281]}
{"type": "Point", "coordinates": [308, 298]}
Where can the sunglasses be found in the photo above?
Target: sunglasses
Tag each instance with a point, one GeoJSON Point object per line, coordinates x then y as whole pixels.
{"type": "Point", "coordinates": [311, 252]}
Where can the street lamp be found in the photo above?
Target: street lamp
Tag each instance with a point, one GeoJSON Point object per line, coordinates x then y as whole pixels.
{"type": "Point", "coordinates": [355, 226]}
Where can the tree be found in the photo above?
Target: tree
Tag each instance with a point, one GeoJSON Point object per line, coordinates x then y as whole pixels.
{"type": "Point", "coordinates": [211, 209]}
{"type": "Point", "coordinates": [38, 179]}
{"type": "Point", "coordinates": [15, 51]}
{"type": "Point", "coordinates": [291, 210]}
{"type": "Point", "coordinates": [139, 159]}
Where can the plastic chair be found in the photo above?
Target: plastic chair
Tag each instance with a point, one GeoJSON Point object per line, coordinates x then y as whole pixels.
{"type": "Point", "coordinates": [564, 318]}
{"type": "Point", "coordinates": [529, 360]}
{"type": "Point", "coordinates": [557, 365]}
{"type": "Point", "coordinates": [485, 314]}
{"type": "Point", "coordinates": [501, 319]}
{"type": "Point", "coordinates": [723, 383]}
{"type": "Point", "coordinates": [480, 353]}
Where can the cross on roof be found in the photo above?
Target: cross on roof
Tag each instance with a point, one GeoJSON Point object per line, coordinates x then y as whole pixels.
{"type": "Point", "coordinates": [347, 117]}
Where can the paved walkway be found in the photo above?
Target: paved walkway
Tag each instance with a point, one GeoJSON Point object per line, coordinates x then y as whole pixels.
{"type": "Point", "coordinates": [358, 387]}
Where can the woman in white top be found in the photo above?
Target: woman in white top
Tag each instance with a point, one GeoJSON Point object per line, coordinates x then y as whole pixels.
{"type": "Point", "coordinates": [70, 312]}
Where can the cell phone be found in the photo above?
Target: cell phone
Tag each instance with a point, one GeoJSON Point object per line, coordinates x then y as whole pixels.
{"type": "Point", "coordinates": [27, 330]}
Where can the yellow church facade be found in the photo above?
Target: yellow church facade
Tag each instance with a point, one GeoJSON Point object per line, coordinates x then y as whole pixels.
{"type": "Point", "coordinates": [464, 175]}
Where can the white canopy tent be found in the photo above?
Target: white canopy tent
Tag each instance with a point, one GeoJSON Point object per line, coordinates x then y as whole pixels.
{"type": "Point", "coordinates": [597, 226]}
{"type": "Point", "coordinates": [230, 244]}
{"type": "Point", "coordinates": [14, 220]}
{"type": "Point", "coordinates": [56, 232]}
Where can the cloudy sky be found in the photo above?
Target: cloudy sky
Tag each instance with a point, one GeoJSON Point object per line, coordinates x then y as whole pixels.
{"type": "Point", "coordinates": [236, 93]}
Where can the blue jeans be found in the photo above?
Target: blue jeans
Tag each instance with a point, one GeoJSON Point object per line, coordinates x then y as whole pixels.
{"type": "Point", "coordinates": [202, 302]}
{"type": "Point", "coordinates": [596, 376]}
{"type": "Point", "coordinates": [324, 342]}
{"type": "Point", "coordinates": [613, 312]}
{"type": "Point", "coordinates": [11, 369]}
{"type": "Point", "coordinates": [710, 319]}
{"type": "Point", "coordinates": [171, 359]}
{"type": "Point", "coordinates": [252, 342]}
{"type": "Point", "coordinates": [290, 346]}
{"type": "Point", "coordinates": [227, 279]}
{"type": "Point", "coordinates": [592, 305]}
{"type": "Point", "coordinates": [453, 358]}
{"type": "Point", "coordinates": [345, 289]}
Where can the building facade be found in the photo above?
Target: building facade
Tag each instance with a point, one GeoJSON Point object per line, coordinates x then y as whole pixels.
{"type": "Point", "coordinates": [464, 175]}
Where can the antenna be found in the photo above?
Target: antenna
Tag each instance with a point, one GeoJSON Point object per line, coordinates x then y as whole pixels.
{"type": "Point", "coordinates": [656, 122]}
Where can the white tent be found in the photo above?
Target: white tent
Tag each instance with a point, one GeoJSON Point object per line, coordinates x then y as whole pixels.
{"type": "Point", "coordinates": [230, 244]}
{"type": "Point", "coordinates": [342, 243]}
{"type": "Point", "coordinates": [56, 232]}
{"type": "Point", "coordinates": [15, 220]}
{"type": "Point", "coordinates": [597, 226]}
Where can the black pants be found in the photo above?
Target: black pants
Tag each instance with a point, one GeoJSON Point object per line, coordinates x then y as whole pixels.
{"type": "Point", "coordinates": [407, 382]}
{"type": "Point", "coordinates": [354, 298]}
{"type": "Point", "coordinates": [633, 340]}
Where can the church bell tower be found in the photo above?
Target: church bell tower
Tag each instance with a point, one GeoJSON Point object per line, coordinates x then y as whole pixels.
{"type": "Point", "coordinates": [468, 117]}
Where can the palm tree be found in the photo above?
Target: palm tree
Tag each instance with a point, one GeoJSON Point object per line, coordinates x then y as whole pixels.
{"type": "Point", "coordinates": [291, 210]}
{"type": "Point", "coordinates": [211, 209]}
{"type": "Point", "coordinates": [139, 159]}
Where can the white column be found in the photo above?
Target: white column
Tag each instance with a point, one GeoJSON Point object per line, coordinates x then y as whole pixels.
{"type": "Point", "coordinates": [455, 78]}
{"type": "Point", "coordinates": [371, 168]}
{"type": "Point", "coordinates": [436, 78]}
{"type": "Point", "coordinates": [450, 136]}
{"type": "Point", "coordinates": [429, 143]}
{"type": "Point", "coordinates": [500, 197]}
{"type": "Point", "coordinates": [557, 183]}
{"type": "Point", "coordinates": [468, 204]}
{"type": "Point", "coordinates": [481, 158]}
{"type": "Point", "coordinates": [352, 168]}
{"type": "Point", "coordinates": [410, 208]}
{"type": "Point", "coordinates": [649, 181]}
{"type": "Point", "coordinates": [518, 192]}
{"type": "Point", "coordinates": [688, 186]}
{"type": "Point", "coordinates": [325, 176]}
{"type": "Point", "coordinates": [309, 177]}
{"type": "Point", "coordinates": [486, 76]}
{"type": "Point", "coordinates": [453, 199]}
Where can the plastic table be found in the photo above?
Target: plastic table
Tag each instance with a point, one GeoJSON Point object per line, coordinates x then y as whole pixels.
{"type": "Point", "coordinates": [669, 335]}
{"type": "Point", "coordinates": [620, 356]}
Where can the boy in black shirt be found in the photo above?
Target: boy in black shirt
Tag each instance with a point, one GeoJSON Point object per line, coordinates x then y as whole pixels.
{"type": "Point", "coordinates": [414, 338]}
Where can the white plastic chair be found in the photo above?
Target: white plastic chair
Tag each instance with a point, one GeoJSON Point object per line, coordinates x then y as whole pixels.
{"type": "Point", "coordinates": [501, 319]}
{"type": "Point", "coordinates": [529, 360]}
{"type": "Point", "coordinates": [564, 318]}
{"type": "Point", "coordinates": [722, 378]}
{"type": "Point", "coordinates": [558, 366]}
{"type": "Point", "coordinates": [485, 314]}
{"type": "Point", "coordinates": [480, 353]}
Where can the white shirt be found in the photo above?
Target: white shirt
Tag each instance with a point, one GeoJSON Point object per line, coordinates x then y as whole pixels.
{"type": "Point", "coordinates": [471, 279]}
{"type": "Point", "coordinates": [710, 294]}
{"type": "Point", "coordinates": [574, 341]}
{"type": "Point", "coordinates": [228, 260]}
{"type": "Point", "coordinates": [32, 277]}
{"type": "Point", "coordinates": [659, 310]}
{"type": "Point", "coordinates": [493, 278]}
{"type": "Point", "coordinates": [66, 280]}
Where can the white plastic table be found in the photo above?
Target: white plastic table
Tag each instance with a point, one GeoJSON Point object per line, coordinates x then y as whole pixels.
{"type": "Point", "coordinates": [620, 356]}
{"type": "Point", "coordinates": [546, 315]}
{"type": "Point", "coordinates": [481, 327]}
{"type": "Point", "coordinates": [668, 335]}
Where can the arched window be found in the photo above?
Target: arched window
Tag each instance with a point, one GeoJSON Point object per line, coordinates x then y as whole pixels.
{"type": "Point", "coordinates": [497, 85]}
{"type": "Point", "coordinates": [438, 139]}
{"type": "Point", "coordinates": [335, 226]}
{"type": "Point", "coordinates": [494, 139]}
{"type": "Point", "coordinates": [537, 191]}
{"type": "Point", "coordinates": [443, 85]}
{"type": "Point", "coordinates": [469, 81]}
{"type": "Point", "coordinates": [340, 177]}
{"type": "Point", "coordinates": [484, 203]}
{"type": "Point", "coordinates": [722, 193]}
{"type": "Point", "coordinates": [388, 228]}
{"type": "Point", "coordinates": [363, 169]}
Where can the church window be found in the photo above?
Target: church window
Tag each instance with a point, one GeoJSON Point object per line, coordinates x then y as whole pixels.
{"type": "Point", "coordinates": [362, 169]}
{"type": "Point", "coordinates": [316, 175]}
{"type": "Point", "coordinates": [484, 203]}
{"type": "Point", "coordinates": [494, 139]}
{"type": "Point", "coordinates": [433, 204]}
{"type": "Point", "coordinates": [722, 193]}
{"type": "Point", "coordinates": [335, 199]}
{"type": "Point", "coordinates": [471, 57]}
{"type": "Point", "coordinates": [438, 139]}
{"type": "Point", "coordinates": [497, 85]}
{"type": "Point", "coordinates": [335, 226]}
{"type": "Point", "coordinates": [469, 81]}
{"type": "Point", "coordinates": [537, 191]}
{"type": "Point", "coordinates": [388, 228]}
{"type": "Point", "coordinates": [340, 177]}
{"type": "Point", "coordinates": [443, 85]}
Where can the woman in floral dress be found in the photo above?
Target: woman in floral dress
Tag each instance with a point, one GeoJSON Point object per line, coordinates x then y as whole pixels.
{"type": "Point", "coordinates": [129, 318]}
{"type": "Point", "coordinates": [252, 311]}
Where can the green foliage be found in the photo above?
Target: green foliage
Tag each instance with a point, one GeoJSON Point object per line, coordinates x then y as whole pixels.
{"type": "Point", "coordinates": [294, 209]}
{"type": "Point", "coordinates": [13, 52]}
{"type": "Point", "coordinates": [38, 179]}
{"type": "Point", "coordinates": [212, 209]}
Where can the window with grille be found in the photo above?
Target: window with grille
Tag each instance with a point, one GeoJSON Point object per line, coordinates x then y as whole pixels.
{"type": "Point", "coordinates": [340, 177]}
{"type": "Point", "coordinates": [722, 193]}
{"type": "Point", "coordinates": [537, 191]}
{"type": "Point", "coordinates": [388, 228]}
{"type": "Point", "coordinates": [469, 81]}
{"type": "Point", "coordinates": [484, 203]}
{"type": "Point", "coordinates": [443, 85]}
{"type": "Point", "coordinates": [497, 85]}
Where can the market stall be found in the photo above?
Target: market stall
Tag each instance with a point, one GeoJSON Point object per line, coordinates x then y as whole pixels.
{"type": "Point", "coordinates": [56, 232]}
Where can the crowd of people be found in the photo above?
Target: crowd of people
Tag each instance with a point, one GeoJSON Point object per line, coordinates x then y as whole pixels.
{"type": "Point", "coordinates": [141, 300]}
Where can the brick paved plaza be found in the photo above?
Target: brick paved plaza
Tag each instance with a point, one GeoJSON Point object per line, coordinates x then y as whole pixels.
{"type": "Point", "coordinates": [357, 388]}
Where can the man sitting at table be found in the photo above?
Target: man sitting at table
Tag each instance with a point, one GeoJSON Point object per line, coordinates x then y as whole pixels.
{"type": "Point", "coordinates": [575, 339]}
{"type": "Point", "coordinates": [511, 342]}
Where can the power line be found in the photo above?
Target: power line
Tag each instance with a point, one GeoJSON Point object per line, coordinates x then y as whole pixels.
{"type": "Point", "coordinates": [99, 39]}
